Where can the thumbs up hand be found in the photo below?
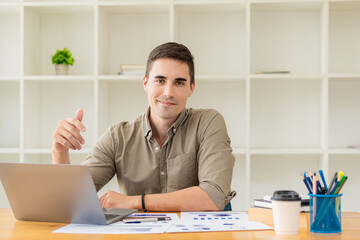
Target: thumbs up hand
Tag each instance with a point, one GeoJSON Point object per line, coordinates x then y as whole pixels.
{"type": "Point", "coordinates": [67, 134]}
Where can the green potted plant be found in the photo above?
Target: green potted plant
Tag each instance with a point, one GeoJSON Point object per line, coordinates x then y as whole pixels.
{"type": "Point", "coordinates": [62, 59]}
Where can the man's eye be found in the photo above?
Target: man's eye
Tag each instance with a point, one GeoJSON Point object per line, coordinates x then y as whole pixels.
{"type": "Point", "coordinates": [159, 81]}
{"type": "Point", "coordinates": [180, 83]}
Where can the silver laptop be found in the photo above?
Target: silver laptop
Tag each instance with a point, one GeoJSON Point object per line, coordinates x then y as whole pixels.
{"type": "Point", "coordinates": [55, 193]}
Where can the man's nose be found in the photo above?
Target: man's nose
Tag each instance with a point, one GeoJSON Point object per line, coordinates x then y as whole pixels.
{"type": "Point", "coordinates": [168, 90]}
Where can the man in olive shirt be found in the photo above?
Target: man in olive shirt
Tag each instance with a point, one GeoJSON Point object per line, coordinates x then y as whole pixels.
{"type": "Point", "coordinates": [168, 159]}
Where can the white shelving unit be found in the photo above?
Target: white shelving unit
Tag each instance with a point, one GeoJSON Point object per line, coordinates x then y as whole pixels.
{"type": "Point", "coordinates": [280, 124]}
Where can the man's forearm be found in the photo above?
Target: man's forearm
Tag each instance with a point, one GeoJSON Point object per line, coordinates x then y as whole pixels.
{"type": "Point", "coordinates": [60, 157]}
{"type": "Point", "coordinates": [189, 199]}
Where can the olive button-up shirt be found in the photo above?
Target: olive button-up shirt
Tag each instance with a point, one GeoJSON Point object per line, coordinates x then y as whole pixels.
{"type": "Point", "coordinates": [197, 153]}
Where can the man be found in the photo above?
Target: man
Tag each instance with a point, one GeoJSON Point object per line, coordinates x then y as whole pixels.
{"type": "Point", "coordinates": [168, 159]}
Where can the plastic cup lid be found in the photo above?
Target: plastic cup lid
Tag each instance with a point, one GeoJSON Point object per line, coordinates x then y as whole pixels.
{"type": "Point", "coordinates": [286, 195]}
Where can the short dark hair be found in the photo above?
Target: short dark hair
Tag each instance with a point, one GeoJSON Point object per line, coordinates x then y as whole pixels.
{"type": "Point", "coordinates": [175, 51]}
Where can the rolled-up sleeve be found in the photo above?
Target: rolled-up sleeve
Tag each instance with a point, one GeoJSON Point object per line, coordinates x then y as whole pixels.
{"type": "Point", "coordinates": [215, 160]}
{"type": "Point", "coordinates": [100, 159]}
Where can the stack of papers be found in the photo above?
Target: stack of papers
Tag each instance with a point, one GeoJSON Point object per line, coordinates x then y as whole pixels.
{"type": "Point", "coordinates": [189, 222]}
{"type": "Point", "coordinates": [215, 221]}
{"type": "Point", "coordinates": [123, 228]}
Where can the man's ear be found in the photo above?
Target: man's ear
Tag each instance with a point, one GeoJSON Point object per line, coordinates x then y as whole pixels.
{"type": "Point", "coordinates": [192, 87]}
{"type": "Point", "coordinates": [145, 80]}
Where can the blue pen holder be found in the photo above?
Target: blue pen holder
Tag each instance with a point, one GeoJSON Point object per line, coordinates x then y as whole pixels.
{"type": "Point", "coordinates": [325, 213]}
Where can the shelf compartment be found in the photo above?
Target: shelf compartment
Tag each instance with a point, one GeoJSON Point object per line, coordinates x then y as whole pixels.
{"type": "Point", "coordinates": [285, 113]}
{"type": "Point", "coordinates": [344, 112]}
{"type": "Point", "coordinates": [120, 101]}
{"type": "Point", "coordinates": [286, 37]}
{"type": "Point", "coordinates": [266, 174]}
{"type": "Point", "coordinates": [45, 103]}
{"type": "Point", "coordinates": [235, 117]}
{"type": "Point", "coordinates": [222, 28]}
{"type": "Point", "coordinates": [9, 114]}
{"type": "Point", "coordinates": [344, 36]}
{"type": "Point", "coordinates": [9, 41]}
{"type": "Point", "coordinates": [122, 33]}
{"type": "Point", "coordinates": [350, 165]}
{"type": "Point", "coordinates": [48, 28]}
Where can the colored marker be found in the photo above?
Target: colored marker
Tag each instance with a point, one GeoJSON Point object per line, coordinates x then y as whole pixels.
{"type": "Point", "coordinates": [340, 184]}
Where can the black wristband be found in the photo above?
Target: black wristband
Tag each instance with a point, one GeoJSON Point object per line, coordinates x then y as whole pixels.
{"type": "Point", "coordinates": [143, 202]}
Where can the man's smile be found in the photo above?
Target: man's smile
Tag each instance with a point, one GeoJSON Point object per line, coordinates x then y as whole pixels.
{"type": "Point", "coordinates": [166, 103]}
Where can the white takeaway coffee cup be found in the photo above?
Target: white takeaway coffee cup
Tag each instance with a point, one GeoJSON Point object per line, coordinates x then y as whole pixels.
{"type": "Point", "coordinates": [286, 211]}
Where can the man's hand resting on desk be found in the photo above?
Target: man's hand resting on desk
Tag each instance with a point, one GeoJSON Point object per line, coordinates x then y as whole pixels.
{"type": "Point", "coordinates": [188, 199]}
{"type": "Point", "coordinates": [67, 135]}
{"type": "Point", "coordinates": [117, 200]}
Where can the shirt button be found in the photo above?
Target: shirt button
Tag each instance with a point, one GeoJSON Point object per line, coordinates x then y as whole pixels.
{"type": "Point", "coordinates": [162, 173]}
{"type": "Point", "coordinates": [156, 148]}
{"type": "Point", "coordinates": [174, 130]}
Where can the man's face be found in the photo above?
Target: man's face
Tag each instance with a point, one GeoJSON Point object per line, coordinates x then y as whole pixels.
{"type": "Point", "coordinates": [168, 87]}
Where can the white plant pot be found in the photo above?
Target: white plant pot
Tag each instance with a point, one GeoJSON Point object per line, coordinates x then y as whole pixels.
{"type": "Point", "coordinates": [62, 69]}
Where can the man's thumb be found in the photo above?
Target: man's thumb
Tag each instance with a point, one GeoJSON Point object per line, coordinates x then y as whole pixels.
{"type": "Point", "coordinates": [79, 114]}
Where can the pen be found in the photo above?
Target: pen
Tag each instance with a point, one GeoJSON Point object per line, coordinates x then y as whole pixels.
{"type": "Point", "coordinates": [318, 185]}
{"type": "Point", "coordinates": [140, 220]}
{"type": "Point", "coordinates": [332, 183]}
{"type": "Point", "coordinates": [323, 179]}
{"type": "Point", "coordinates": [147, 215]}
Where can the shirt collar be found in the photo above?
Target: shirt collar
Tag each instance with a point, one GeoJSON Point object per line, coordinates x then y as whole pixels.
{"type": "Point", "coordinates": [174, 127]}
{"type": "Point", "coordinates": [146, 124]}
{"type": "Point", "coordinates": [181, 118]}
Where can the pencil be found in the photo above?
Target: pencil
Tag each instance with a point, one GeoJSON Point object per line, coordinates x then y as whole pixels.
{"type": "Point", "coordinates": [314, 198]}
{"type": "Point", "coordinates": [306, 184]}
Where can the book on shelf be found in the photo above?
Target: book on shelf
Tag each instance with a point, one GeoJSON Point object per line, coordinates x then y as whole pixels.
{"type": "Point", "coordinates": [266, 203]}
{"type": "Point", "coordinates": [132, 69]}
{"type": "Point", "coordinates": [264, 215]}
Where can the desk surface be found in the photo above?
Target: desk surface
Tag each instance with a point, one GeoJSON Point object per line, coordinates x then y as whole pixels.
{"type": "Point", "coordinates": [10, 228]}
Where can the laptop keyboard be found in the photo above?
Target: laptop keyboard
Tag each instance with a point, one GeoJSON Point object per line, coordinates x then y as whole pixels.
{"type": "Point", "coordinates": [111, 218]}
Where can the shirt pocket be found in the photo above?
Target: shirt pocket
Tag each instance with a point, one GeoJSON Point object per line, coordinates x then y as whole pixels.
{"type": "Point", "coordinates": [182, 172]}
